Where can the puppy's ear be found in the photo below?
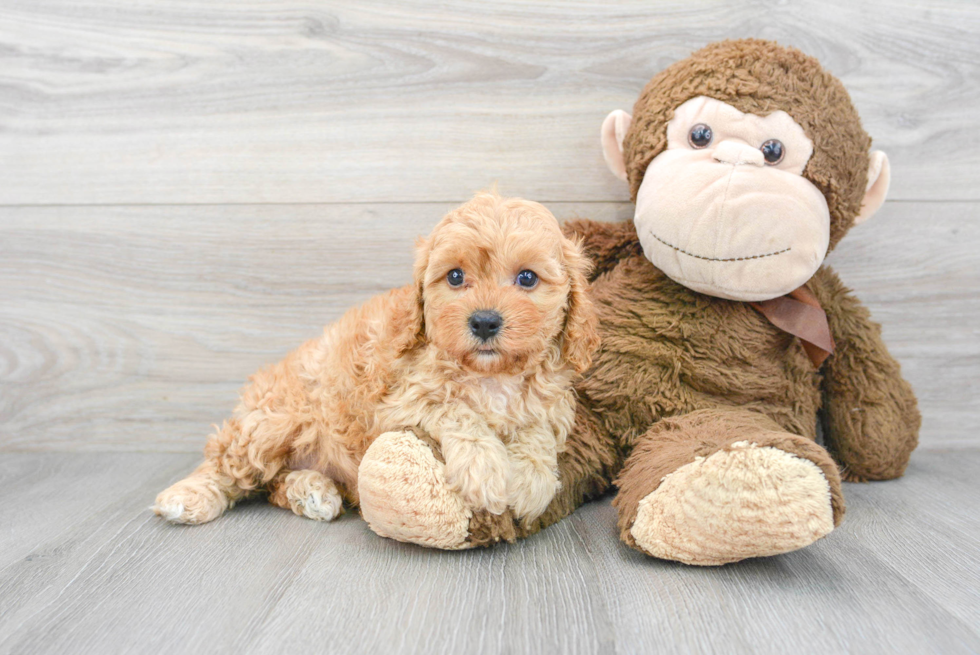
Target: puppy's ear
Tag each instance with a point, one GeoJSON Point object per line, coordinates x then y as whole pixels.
{"type": "Point", "coordinates": [580, 337]}
{"type": "Point", "coordinates": [413, 332]}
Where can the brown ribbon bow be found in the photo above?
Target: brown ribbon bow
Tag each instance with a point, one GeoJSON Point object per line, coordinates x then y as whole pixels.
{"type": "Point", "coordinates": [800, 314]}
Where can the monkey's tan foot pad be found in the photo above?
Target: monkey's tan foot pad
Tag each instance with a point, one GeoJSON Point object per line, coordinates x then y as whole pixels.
{"type": "Point", "coordinates": [404, 494]}
{"type": "Point", "coordinates": [746, 501]}
{"type": "Point", "coordinates": [313, 495]}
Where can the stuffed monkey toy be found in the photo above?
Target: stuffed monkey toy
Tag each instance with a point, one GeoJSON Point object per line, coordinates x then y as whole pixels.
{"type": "Point", "coordinates": [724, 338]}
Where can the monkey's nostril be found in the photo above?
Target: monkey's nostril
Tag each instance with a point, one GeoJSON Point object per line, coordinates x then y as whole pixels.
{"type": "Point", "coordinates": [485, 324]}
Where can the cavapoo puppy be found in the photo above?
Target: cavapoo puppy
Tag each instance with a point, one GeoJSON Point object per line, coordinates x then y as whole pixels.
{"type": "Point", "coordinates": [478, 353]}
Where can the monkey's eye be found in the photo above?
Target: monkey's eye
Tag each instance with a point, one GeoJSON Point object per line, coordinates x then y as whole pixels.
{"type": "Point", "coordinates": [772, 151]}
{"type": "Point", "coordinates": [700, 136]}
{"type": "Point", "coordinates": [455, 277]}
{"type": "Point", "coordinates": [527, 279]}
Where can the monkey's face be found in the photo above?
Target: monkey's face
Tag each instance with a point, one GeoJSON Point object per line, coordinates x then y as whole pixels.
{"type": "Point", "coordinates": [725, 209]}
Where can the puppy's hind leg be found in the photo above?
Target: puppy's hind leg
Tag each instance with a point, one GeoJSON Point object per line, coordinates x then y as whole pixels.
{"type": "Point", "coordinates": [202, 496]}
{"type": "Point", "coordinates": [249, 450]}
{"type": "Point", "coordinates": [244, 456]}
{"type": "Point", "coordinates": [307, 493]}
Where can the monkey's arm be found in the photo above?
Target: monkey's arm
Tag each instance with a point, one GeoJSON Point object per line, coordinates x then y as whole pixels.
{"type": "Point", "coordinates": [870, 410]}
{"type": "Point", "coordinates": [604, 243]}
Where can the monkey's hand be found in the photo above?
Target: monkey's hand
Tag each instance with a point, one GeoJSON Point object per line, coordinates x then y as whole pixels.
{"type": "Point", "coordinates": [604, 243]}
{"type": "Point", "coordinates": [871, 411]}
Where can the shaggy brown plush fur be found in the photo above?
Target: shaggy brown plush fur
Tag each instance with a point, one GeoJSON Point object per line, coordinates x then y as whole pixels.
{"type": "Point", "coordinates": [680, 375]}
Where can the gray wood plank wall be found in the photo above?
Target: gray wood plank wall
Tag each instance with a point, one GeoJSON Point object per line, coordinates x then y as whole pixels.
{"type": "Point", "coordinates": [190, 189]}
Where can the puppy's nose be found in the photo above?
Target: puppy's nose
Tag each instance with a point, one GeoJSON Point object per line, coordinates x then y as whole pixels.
{"type": "Point", "coordinates": [485, 324]}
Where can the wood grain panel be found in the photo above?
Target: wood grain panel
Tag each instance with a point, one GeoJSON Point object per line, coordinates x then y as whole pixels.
{"type": "Point", "coordinates": [927, 501]}
{"type": "Point", "coordinates": [131, 328]}
{"type": "Point", "coordinates": [258, 101]}
{"type": "Point", "coordinates": [261, 580]}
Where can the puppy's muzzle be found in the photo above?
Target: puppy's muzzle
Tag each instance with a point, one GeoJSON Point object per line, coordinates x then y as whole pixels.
{"type": "Point", "coordinates": [485, 324]}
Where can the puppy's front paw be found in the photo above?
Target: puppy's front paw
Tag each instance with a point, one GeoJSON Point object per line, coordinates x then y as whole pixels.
{"type": "Point", "coordinates": [313, 495]}
{"type": "Point", "coordinates": [478, 473]}
{"type": "Point", "coordinates": [530, 488]}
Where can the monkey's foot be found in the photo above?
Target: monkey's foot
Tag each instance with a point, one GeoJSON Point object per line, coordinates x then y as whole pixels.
{"type": "Point", "coordinates": [745, 501]}
{"type": "Point", "coordinates": [404, 494]}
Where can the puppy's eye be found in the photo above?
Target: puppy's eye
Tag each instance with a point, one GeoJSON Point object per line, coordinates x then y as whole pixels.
{"type": "Point", "coordinates": [773, 151]}
{"type": "Point", "coordinates": [527, 279]}
{"type": "Point", "coordinates": [455, 277]}
{"type": "Point", "coordinates": [700, 136]}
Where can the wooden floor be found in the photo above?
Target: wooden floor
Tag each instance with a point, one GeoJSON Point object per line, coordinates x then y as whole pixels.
{"type": "Point", "coordinates": [85, 568]}
{"type": "Point", "coordinates": [191, 188]}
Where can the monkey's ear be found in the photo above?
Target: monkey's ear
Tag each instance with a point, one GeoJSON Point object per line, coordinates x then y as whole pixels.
{"type": "Point", "coordinates": [614, 130]}
{"type": "Point", "coordinates": [879, 176]}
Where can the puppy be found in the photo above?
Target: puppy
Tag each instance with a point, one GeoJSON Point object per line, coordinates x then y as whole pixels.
{"type": "Point", "coordinates": [479, 353]}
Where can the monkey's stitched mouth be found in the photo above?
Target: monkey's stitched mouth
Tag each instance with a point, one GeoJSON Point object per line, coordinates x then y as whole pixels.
{"type": "Point", "coordinates": [718, 259]}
